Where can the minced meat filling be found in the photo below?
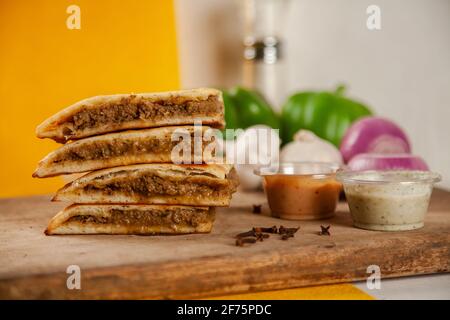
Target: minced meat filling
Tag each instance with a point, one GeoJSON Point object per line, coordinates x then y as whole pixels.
{"type": "Point", "coordinates": [154, 217]}
{"type": "Point", "coordinates": [134, 108]}
{"type": "Point", "coordinates": [116, 148]}
{"type": "Point", "coordinates": [109, 149]}
{"type": "Point", "coordinates": [151, 184]}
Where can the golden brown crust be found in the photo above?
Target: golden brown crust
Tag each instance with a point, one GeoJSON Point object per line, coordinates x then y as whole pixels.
{"type": "Point", "coordinates": [131, 219]}
{"type": "Point", "coordinates": [148, 110]}
{"type": "Point", "coordinates": [116, 149]}
{"type": "Point", "coordinates": [197, 185]}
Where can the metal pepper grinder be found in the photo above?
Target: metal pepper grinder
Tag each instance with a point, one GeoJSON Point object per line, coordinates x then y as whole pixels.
{"type": "Point", "coordinates": [263, 67]}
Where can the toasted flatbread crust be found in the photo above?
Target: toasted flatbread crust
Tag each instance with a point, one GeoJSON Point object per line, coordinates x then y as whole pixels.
{"type": "Point", "coordinates": [61, 223]}
{"type": "Point", "coordinates": [110, 185]}
{"type": "Point", "coordinates": [52, 164]}
{"type": "Point", "coordinates": [59, 129]}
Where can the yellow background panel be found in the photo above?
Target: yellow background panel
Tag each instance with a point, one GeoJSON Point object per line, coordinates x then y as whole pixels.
{"type": "Point", "coordinates": [123, 46]}
{"type": "Point", "coordinates": [328, 292]}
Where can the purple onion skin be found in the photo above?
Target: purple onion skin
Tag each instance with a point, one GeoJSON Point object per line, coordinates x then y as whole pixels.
{"type": "Point", "coordinates": [364, 134]}
{"type": "Point", "coordinates": [372, 161]}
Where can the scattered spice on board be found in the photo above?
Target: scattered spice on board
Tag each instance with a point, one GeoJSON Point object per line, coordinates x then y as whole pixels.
{"type": "Point", "coordinates": [325, 231]}
{"type": "Point", "coordinates": [241, 241]}
{"type": "Point", "coordinates": [250, 233]}
{"type": "Point", "coordinates": [287, 233]}
{"type": "Point", "coordinates": [257, 209]}
{"type": "Point", "coordinates": [261, 236]}
{"type": "Point", "coordinates": [272, 229]}
{"type": "Point", "coordinates": [261, 233]}
{"type": "Point", "coordinates": [284, 230]}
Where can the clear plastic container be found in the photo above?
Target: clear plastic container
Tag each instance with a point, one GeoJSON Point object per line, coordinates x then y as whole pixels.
{"type": "Point", "coordinates": [391, 200]}
{"type": "Point", "coordinates": [302, 190]}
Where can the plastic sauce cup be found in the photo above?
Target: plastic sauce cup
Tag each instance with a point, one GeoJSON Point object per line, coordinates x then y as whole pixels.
{"type": "Point", "coordinates": [390, 200]}
{"type": "Point", "coordinates": [302, 190]}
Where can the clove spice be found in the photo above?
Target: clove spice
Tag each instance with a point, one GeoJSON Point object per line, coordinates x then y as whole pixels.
{"type": "Point", "coordinates": [254, 233]}
{"type": "Point", "coordinates": [261, 233]}
{"type": "Point", "coordinates": [286, 236]}
{"type": "Point", "coordinates": [272, 229]}
{"type": "Point", "coordinates": [257, 208]}
{"type": "Point", "coordinates": [250, 233]}
{"type": "Point", "coordinates": [241, 241]}
{"type": "Point", "coordinates": [325, 231]}
{"type": "Point", "coordinates": [287, 233]}
{"type": "Point", "coordinates": [261, 236]}
{"type": "Point", "coordinates": [284, 230]}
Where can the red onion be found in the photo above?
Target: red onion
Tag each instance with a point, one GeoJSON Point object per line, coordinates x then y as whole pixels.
{"type": "Point", "coordinates": [373, 161]}
{"type": "Point", "coordinates": [373, 135]}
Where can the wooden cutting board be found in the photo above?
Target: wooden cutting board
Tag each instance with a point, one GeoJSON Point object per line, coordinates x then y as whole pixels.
{"type": "Point", "coordinates": [33, 265]}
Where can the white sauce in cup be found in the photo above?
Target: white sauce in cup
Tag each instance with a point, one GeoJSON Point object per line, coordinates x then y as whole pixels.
{"type": "Point", "coordinates": [388, 200]}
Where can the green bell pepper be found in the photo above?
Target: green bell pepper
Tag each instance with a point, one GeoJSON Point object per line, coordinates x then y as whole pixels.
{"type": "Point", "coordinates": [327, 114]}
{"type": "Point", "coordinates": [231, 118]}
{"type": "Point", "coordinates": [245, 108]}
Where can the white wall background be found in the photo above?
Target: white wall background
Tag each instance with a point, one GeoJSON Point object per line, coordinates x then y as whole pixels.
{"type": "Point", "coordinates": [402, 71]}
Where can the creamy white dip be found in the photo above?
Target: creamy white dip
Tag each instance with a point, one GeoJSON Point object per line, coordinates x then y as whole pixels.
{"type": "Point", "coordinates": [388, 201]}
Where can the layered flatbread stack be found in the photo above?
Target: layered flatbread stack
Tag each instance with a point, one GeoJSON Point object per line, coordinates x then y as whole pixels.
{"type": "Point", "coordinates": [132, 186]}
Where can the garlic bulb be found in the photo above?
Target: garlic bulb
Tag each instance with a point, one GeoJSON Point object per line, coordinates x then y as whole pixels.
{"type": "Point", "coordinates": [257, 146]}
{"type": "Point", "coordinates": [309, 147]}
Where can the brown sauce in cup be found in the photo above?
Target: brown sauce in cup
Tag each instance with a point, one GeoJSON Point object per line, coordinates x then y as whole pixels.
{"type": "Point", "coordinates": [302, 197]}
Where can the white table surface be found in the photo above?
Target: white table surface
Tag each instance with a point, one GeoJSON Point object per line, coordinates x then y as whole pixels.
{"type": "Point", "coordinates": [411, 288]}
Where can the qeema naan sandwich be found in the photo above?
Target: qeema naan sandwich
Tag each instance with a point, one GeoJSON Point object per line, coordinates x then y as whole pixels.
{"type": "Point", "coordinates": [131, 219]}
{"type": "Point", "coordinates": [110, 113]}
{"type": "Point", "coordinates": [121, 148]}
{"type": "Point", "coordinates": [197, 185]}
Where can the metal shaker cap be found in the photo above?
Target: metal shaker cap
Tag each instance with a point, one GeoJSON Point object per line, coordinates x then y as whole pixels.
{"type": "Point", "coordinates": [266, 49]}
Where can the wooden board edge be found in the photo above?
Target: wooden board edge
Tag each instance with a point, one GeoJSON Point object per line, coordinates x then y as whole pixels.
{"type": "Point", "coordinates": [223, 275]}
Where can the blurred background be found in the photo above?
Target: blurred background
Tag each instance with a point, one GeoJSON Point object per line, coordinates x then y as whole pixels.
{"type": "Point", "coordinates": [401, 70]}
